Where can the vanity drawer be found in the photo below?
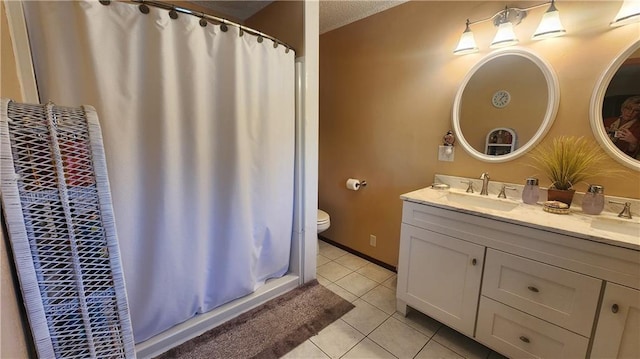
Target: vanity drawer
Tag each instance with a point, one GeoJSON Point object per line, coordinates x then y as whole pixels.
{"type": "Point", "coordinates": [417, 215]}
{"type": "Point", "coordinates": [559, 296]}
{"type": "Point", "coordinates": [519, 335]}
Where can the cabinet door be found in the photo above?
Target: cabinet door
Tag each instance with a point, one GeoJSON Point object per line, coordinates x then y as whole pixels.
{"type": "Point", "coordinates": [440, 276]}
{"type": "Point", "coordinates": [618, 331]}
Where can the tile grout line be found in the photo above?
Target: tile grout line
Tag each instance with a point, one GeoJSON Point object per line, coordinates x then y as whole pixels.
{"type": "Point", "coordinates": [389, 316]}
{"type": "Point", "coordinates": [432, 337]}
{"type": "Point", "coordinates": [366, 336]}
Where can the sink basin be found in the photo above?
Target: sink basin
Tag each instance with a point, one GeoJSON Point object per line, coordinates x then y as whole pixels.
{"type": "Point", "coordinates": [628, 227]}
{"type": "Point", "coordinates": [478, 201]}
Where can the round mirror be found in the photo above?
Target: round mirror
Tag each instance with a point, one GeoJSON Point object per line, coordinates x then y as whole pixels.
{"type": "Point", "coordinates": [505, 105]}
{"type": "Point", "coordinates": [615, 111]}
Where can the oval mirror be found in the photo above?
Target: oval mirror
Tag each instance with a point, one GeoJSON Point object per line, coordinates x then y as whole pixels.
{"type": "Point", "coordinates": [609, 106]}
{"type": "Point", "coordinates": [505, 105]}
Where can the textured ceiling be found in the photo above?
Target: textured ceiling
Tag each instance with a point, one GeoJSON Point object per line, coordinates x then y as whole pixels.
{"type": "Point", "coordinates": [333, 13]}
{"type": "Point", "coordinates": [336, 13]}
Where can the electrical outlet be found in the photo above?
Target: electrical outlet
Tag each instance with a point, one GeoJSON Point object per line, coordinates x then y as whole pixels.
{"type": "Point", "coordinates": [372, 240]}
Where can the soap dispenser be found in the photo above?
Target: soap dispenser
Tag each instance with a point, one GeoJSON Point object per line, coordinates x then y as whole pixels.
{"type": "Point", "coordinates": [531, 192]}
{"type": "Point", "coordinates": [593, 201]}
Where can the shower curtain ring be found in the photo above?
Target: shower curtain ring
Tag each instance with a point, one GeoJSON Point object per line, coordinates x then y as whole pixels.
{"type": "Point", "coordinates": [241, 32]}
{"type": "Point", "coordinates": [203, 21]}
{"type": "Point", "coordinates": [275, 44]}
{"type": "Point", "coordinates": [105, 2]}
{"type": "Point", "coordinates": [260, 38]}
{"type": "Point", "coordinates": [173, 13]}
{"type": "Point", "coordinates": [143, 8]}
{"type": "Point", "coordinates": [224, 27]}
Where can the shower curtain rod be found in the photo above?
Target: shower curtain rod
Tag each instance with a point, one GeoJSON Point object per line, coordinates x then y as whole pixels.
{"type": "Point", "coordinates": [173, 10]}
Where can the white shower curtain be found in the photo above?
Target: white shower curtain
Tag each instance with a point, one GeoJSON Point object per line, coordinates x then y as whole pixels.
{"type": "Point", "coordinates": [198, 127]}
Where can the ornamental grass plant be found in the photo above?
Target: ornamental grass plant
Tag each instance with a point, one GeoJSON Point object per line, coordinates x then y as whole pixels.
{"type": "Point", "coordinates": [568, 160]}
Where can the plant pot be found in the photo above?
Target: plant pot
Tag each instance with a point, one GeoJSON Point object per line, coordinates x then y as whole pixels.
{"type": "Point", "coordinates": [561, 195]}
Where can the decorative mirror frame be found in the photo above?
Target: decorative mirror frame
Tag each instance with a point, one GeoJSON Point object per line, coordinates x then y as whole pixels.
{"type": "Point", "coordinates": [553, 89]}
{"type": "Point", "coordinates": [597, 101]}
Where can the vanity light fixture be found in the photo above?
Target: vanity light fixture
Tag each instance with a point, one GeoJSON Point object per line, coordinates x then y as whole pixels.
{"type": "Point", "coordinates": [467, 43]}
{"type": "Point", "coordinates": [505, 20]}
{"type": "Point", "coordinates": [550, 25]}
{"type": "Point", "coordinates": [629, 13]}
{"type": "Point", "coordinates": [505, 36]}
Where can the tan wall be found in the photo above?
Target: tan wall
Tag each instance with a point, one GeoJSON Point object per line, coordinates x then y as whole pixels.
{"type": "Point", "coordinates": [387, 85]}
{"type": "Point", "coordinates": [12, 338]}
{"type": "Point", "coordinates": [9, 86]}
{"type": "Point", "coordinates": [283, 20]}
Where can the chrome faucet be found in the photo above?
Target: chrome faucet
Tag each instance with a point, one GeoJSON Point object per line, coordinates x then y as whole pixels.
{"type": "Point", "coordinates": [485, 183]}
{"type": "Point", "coordinates": [626, 211]}
{"type": "Point", "coordinates": [502, 193]}
{"type": "Point", "coordinates": [469, 184]}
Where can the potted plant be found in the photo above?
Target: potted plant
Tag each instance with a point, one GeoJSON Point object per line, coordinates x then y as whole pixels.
{"type": "Point", "coordinates": [566, 161]}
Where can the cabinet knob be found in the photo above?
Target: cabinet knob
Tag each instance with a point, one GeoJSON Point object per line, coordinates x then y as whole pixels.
{"type": "Point", "coordinates": [614, 308]}
{"type": "Point", "coordinates": [524, 339]}
{"type": "Point", "coordinates": [474, 261]}
{"type": "Point", "coordinates": [533, 289]}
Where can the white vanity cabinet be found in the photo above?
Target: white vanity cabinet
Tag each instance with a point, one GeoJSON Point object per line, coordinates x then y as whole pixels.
{"type": "Point", "coordinates": [440, 276]}
{"type": "Point", "coordinates": [523, 291]}
{"type": "Point", "coordinates": [618, 330]}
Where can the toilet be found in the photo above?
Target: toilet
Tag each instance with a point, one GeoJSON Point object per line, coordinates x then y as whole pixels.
{"type": "Point", "coordinates": [323, 221]}
{"type": "Point", "coordinates": [323, 224]}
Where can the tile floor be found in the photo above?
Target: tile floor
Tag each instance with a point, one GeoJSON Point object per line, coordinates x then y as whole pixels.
{"type": "Point", "coordinates": [373, 329]}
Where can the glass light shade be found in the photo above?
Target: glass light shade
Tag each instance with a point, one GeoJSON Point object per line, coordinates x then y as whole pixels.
{"type": "Point", "coordinates": [629, 13]}
{"type": "Point", "coordinates": [467, 44]}
{"type": "Point", "coordinates": [505, 36]}
{"type": "Point", "coordinates": [550, 25]}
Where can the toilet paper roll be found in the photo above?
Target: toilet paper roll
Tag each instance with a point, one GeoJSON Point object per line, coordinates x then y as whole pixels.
{"type": "Point", "coordinates": [353, 184]}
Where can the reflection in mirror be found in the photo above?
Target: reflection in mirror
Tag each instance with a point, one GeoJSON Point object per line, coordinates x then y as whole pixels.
{"type": "Point", "coordinates": [615, 108]}
{"type": "Point", "coordinates": [520, 78]}
{"type": "Point", "coordinates": [510, 89]}
{"type": "Point", "coordinates": [624, 129]}
{"type": "Point", "coordinates": [621, 106]}
{"type": "Point", "coordinates": [501, 141]}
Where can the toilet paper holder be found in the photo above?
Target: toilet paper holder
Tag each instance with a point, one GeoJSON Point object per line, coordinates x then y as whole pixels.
{"type": "Point", "coordinates": [355, 184]}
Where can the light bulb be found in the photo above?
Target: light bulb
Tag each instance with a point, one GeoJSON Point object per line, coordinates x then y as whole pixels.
{"type": "Point", "coordinates": [629, 13]}
{"type": "Point", "coordinates": [467, 43]}
{"type": "Point", "coordinates": [505, 36]}
{"type": "Point", "coordinates": [550, 25]}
